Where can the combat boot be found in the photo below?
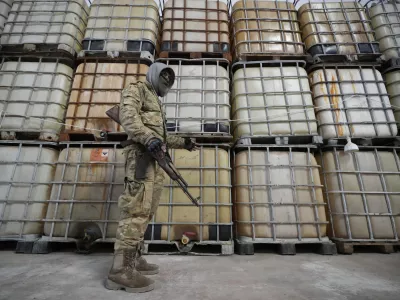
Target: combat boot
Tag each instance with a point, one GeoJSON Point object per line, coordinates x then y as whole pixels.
{"type": "Point", "coordinates": [123, 274]}
{"type": "Point", "coordinates": [143, 266]}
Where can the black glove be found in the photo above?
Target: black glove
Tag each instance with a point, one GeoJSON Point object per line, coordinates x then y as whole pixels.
{"type": "Point", "coordinates": [190, 144]}
{"type": "Point", "coordinates": [154, 145]}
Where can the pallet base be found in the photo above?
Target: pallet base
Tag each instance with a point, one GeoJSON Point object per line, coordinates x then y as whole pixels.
{"type": "Point", "coordinates": [195, 55]}
{"type": "Point", "coordinates": [348, 247]}
{"type": "Point", "coordinates": [46, 245]}
{"type": "Point", "coordinates": [375, 141]}
{"type": "Point", "coordinates": [271, 57]}
{"type": "Point", "coordinates": [78, 136]}
{"type": "Point", "coordinates": [280, 140]}
{"type": "Point", "coordinates": [143, 55]}
{"type": "Point", "coordinates": [48, 50]}
{"type": "Point", "coordinates": [286, 247]}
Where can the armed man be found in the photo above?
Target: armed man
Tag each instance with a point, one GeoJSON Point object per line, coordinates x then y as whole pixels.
{"type": "Point", "coordinates": [144, 121]}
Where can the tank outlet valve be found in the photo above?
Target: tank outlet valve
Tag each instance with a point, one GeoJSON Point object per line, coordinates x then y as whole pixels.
{"type": "Point", "coordinates": [186, 237]}
{"type": "Point", "coordinates": [350, 146]}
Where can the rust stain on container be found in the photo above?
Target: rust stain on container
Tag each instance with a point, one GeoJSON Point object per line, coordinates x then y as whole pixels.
{"type": "Point", "coordinates": [321, 79]}
{"type": "Point", "coordinates": [335, 103]}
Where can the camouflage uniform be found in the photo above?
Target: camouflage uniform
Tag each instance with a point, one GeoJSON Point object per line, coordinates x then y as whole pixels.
{"type": "Point", "coordinates": [143, 118]}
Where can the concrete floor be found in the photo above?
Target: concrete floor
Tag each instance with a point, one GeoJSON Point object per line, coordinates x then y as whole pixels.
{"type": "Point", "coordinates": [64, 276]}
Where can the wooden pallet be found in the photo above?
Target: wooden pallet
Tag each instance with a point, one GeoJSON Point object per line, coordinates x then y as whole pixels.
{"type": "Point", "coordinates": [285, 247]}
{"type": "Point", "coordinates": [346, 247]}
{"type": "Point", "coordinates": [39, 49]}
{"type": "Point", "coordinates": [195, 55]}
{"type": "Point", "coordinates": [270, 57]}
{"type": "Point", "coordinates": [81, 136]}
{"type": "Point", "coordinates": [145, 55]}
{"type": "Point", "coordinates": [29, 136]}
{"type": "Point", "coordinates": [280, 140]}
{"type": "Point", "coordinates": [376, 141]}
{"type": "Point", "coordinates": [193, 248]}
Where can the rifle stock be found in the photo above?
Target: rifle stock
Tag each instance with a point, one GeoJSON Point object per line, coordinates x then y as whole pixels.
{"type": "Point", "coordinates": [162, 157]}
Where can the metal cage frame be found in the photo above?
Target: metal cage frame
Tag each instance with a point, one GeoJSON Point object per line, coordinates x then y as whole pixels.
{"type": "Point", "coordinates": [364, 193]}
{"type": "Point", "coordinates": [309, 150]}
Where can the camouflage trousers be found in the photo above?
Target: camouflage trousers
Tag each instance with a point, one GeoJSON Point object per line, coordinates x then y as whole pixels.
{"type": "Point", "coordinates": [144, 182]}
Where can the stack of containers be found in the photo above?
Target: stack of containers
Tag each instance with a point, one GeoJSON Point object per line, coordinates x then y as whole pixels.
{"type": "Point", "coordinates": [38, 46]}
{"type": "Point", "coordinates": [352, 105]}
{"type": "Point", "coordinates": [277, 189]}
{"type": "Point", "coordinates": [120, 43]}
{"type": "Point", "coordinates": [195, 44]}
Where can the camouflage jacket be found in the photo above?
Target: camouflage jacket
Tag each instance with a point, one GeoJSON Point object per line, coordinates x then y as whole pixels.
{"type": "Point", "coordinates": [143, 117]}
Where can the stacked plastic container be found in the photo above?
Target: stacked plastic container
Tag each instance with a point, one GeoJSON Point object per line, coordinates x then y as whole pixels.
{"type": "Point", "coordinates": [277, 191]}
{"type": "Point", "coordinates": [348, 43]}
{"type": "Point", "coordinates": [195, 44]}
{"type": "Point", "coordinates": [39, 42]}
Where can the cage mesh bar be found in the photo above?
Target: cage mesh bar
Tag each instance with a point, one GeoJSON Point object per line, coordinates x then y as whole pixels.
{"type": "Point", "coordinates": [272, 99]}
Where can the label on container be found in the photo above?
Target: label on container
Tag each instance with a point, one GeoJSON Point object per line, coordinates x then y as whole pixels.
{"type": "Point", "coordinates": [99, 154]}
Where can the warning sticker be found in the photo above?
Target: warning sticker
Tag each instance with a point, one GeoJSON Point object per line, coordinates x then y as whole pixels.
{"type": "Point", "coordinates": [99, 154]}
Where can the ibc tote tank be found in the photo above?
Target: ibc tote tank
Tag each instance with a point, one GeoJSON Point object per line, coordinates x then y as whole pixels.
{"type": "Point", "coordinates": [272, 99]}
{"type": "Point", "coordinates": [33, 96]}
{"type": "Point", "coordinates": [27, 172]}
{"type": "Point", "coordinates": [363, 193]}
{"type": "Point", "coordinates": [277, 194]}
{"type": "Point", "coordinates": [198, 102]}
{"type": "Point", "coordinates": [50, 25]}
{"type": "Point", "coordinates": [123, 25]}
{"type": "Point", "coordinates": [351, 101]}
{"type": "Point", "coordinates": [339, 29]}
{"type": "Point", "coordinates": [97, 88]}
{"type": "Point", "coordinates": [195, 26]}
{"type": "Point", "coordinates": [261, 28]}
{"type": "Point", "coordinates": [90, 178]}
{"type": "Point", "coordinates": [393, 87]}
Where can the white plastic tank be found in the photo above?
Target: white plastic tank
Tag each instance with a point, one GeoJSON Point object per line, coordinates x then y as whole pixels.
{"type": "Point", "coordinates": [351, 102]}
{"type": "Point", "coordinates": [262, 28]}
{"type": "Point", "coordinates": [123, 25]}
{"type": "Point", "coordinates": [207, 173]}
{"type": "Point", "coordinates": [363, 193]}
{"type": "Point", "coordinates": [33, 98]}
{"type": "Point", "coordinates": [97, 88]}
{"type": "Point", "coordinates": [89, 181]}
{"type": "Point", "coordinates": [56, 24]}
{"type": "Point", "coordinates": [5, 7]}
{"type": "Point", "coordinates": [198, 102]}
{"type": "Point", "coordinates": [392, 80]}
{"type": "Point", "coordinates": [337, 28]}
{"type": "Point", "coordinates": [195, 26]}
{"type": "Point", "coordinates": [385, 18]}
{"type": "Point", "coordinates": [277, 194]}
{"type": "Point", "coordinates": [27, 171]}
{"type": "Point", "coordinates": [272, 99]}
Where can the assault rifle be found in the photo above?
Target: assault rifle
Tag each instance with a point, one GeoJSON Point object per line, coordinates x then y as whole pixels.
{"type": "Point", "coordinates": [162, 157]}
